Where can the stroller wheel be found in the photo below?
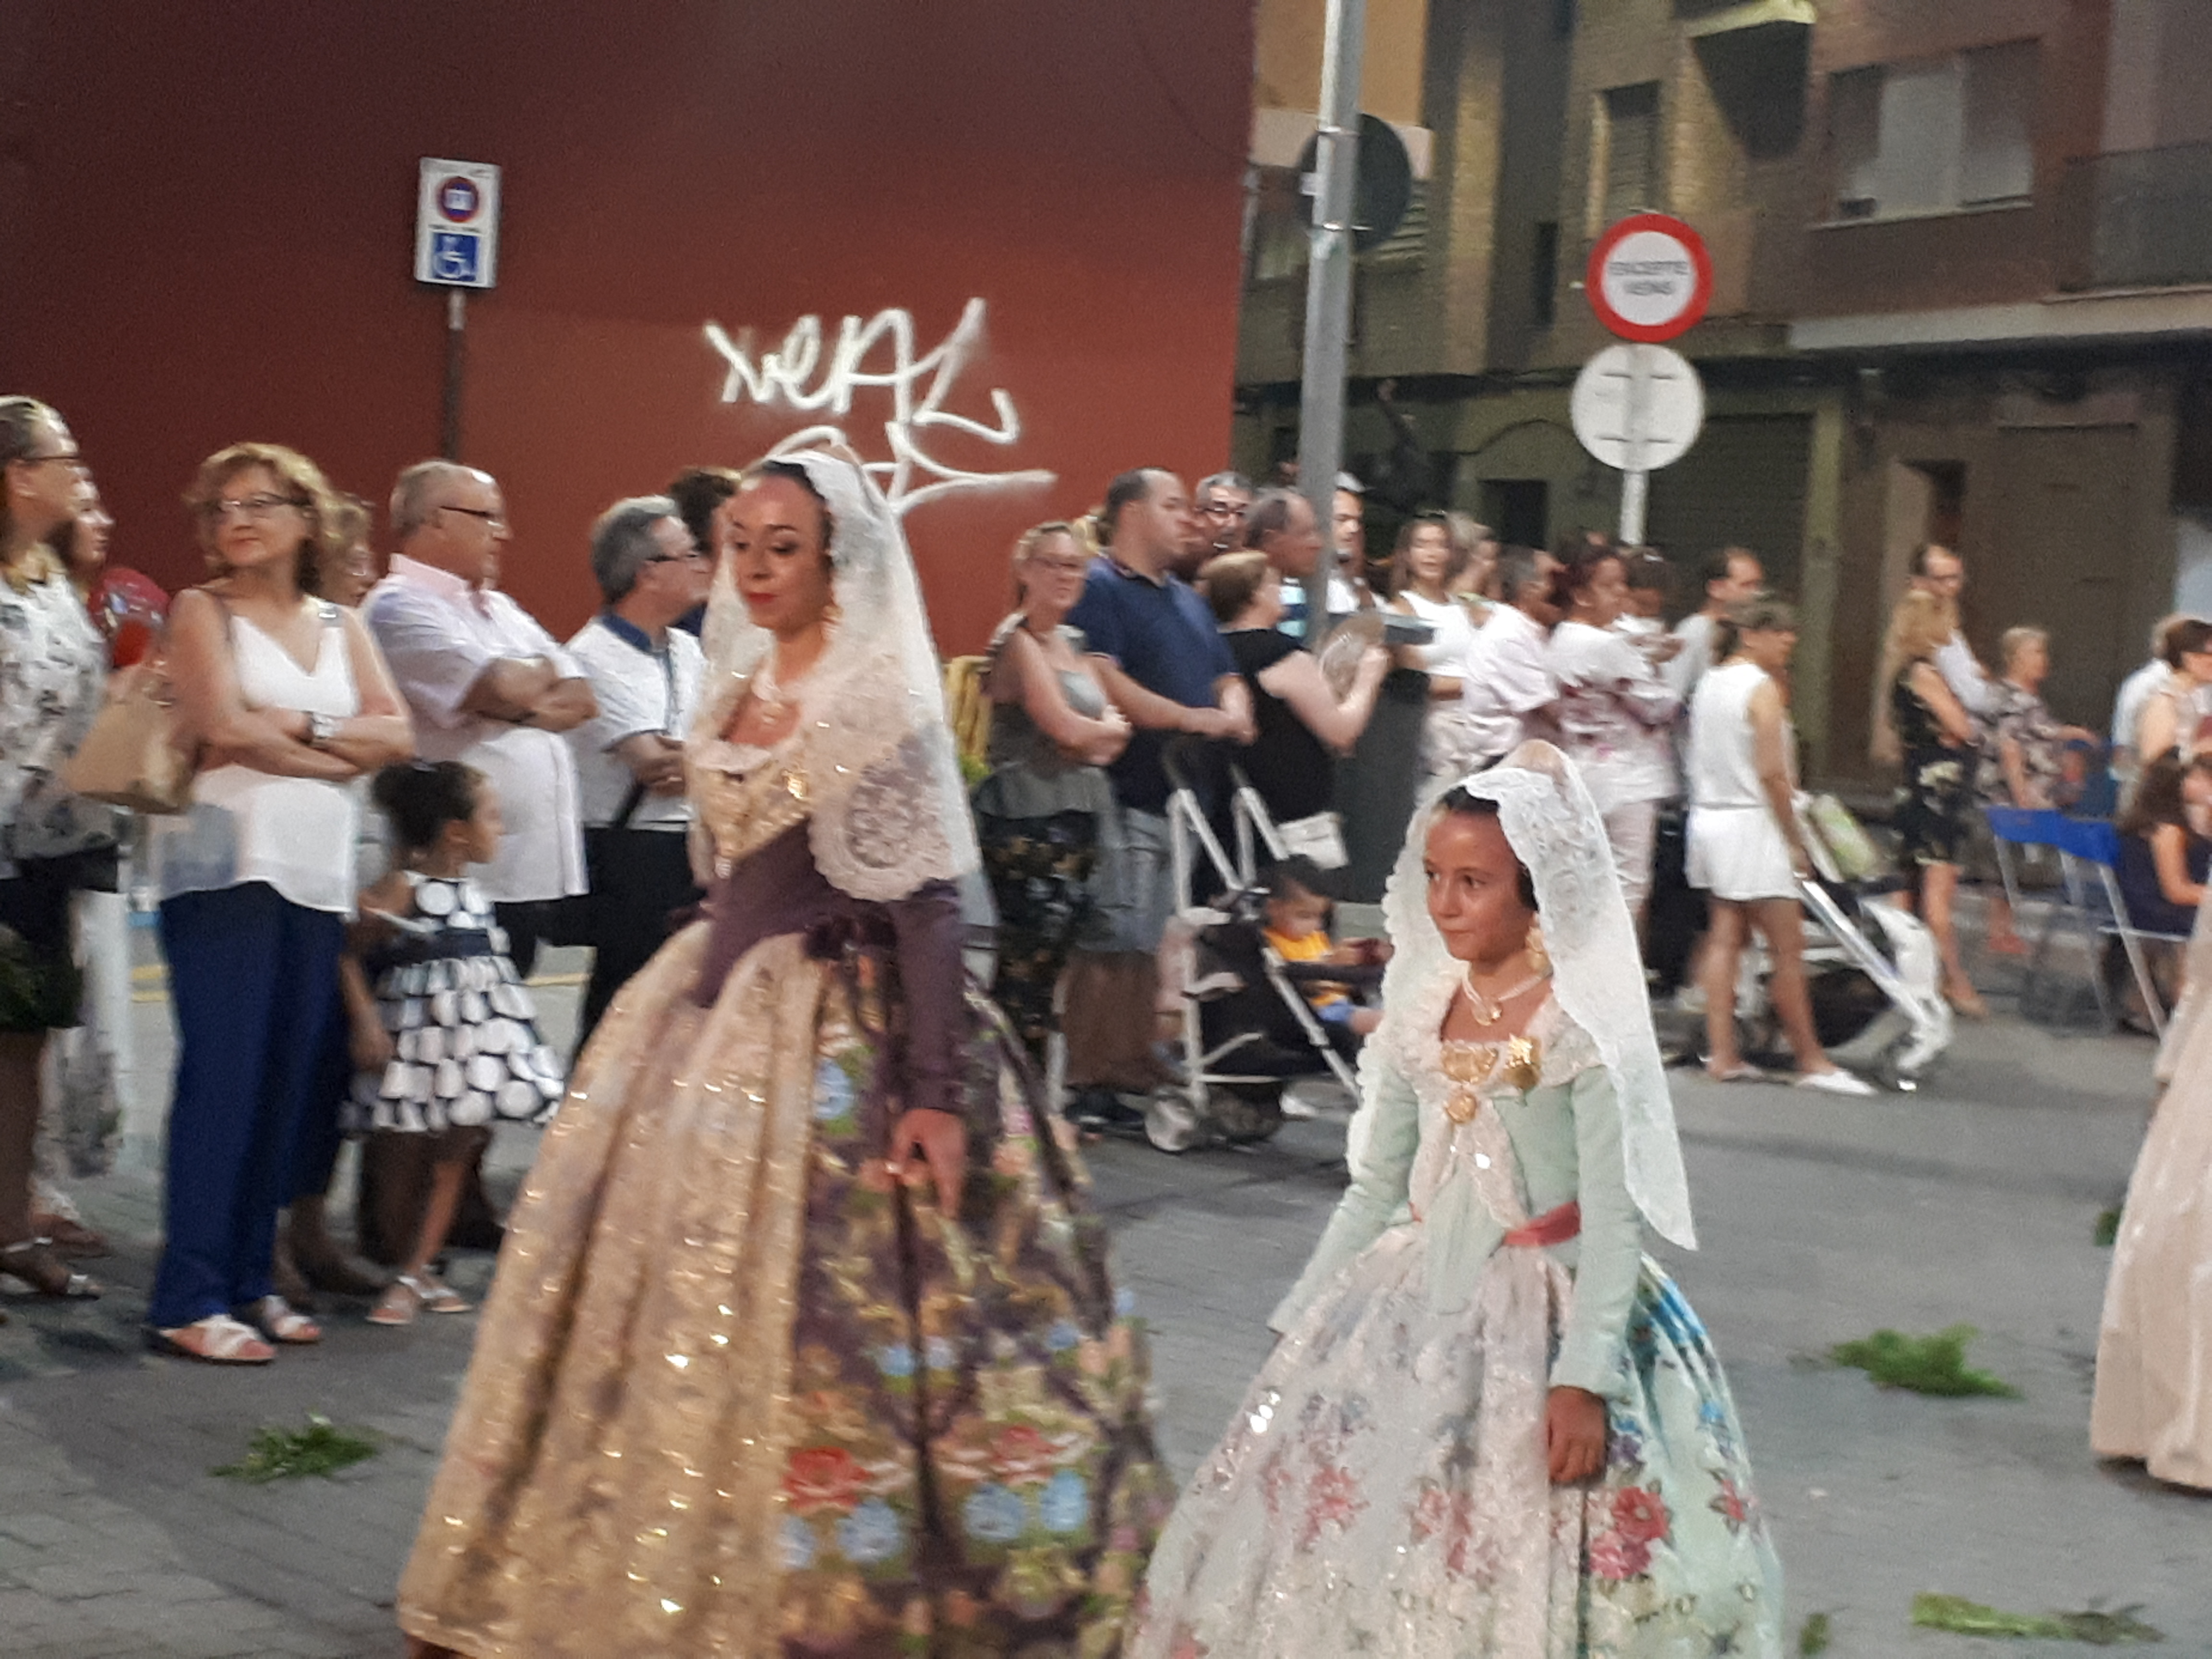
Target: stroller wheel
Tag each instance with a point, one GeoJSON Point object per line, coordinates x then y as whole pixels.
{"type": "Point", "coordinates": [1246, 1113]}
{"type": "Point", "coordinates": [1171, 1123]}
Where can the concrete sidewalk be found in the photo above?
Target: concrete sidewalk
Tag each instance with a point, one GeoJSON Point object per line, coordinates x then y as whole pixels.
{"type": "Point", "coordinates": [1973, 1200]}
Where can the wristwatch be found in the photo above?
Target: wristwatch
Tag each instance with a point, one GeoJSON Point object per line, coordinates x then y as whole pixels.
{"type": "Point", "coordinates": [321, 728]}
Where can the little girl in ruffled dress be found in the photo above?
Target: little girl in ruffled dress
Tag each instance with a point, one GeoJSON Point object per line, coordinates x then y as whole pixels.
{"type": "Point", "coordinates": [444, 1033]}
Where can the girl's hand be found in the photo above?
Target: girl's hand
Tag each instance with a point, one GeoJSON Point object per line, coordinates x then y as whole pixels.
{"type": "Point", "coordinates": [1574, 1434]}
{"type": "Point", "coordinates": [932, 1146]}
{"type": "Point", "coordinates": [370, 1046]}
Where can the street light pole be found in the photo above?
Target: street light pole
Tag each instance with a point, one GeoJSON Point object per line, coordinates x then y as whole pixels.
{"type": "Point", "coordinates": [1328, 291]}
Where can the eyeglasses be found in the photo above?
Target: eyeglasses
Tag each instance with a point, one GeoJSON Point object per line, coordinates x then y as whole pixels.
{"type": "Point", "coordinates": [72, 457]}
{"type": "Point", "coordinates": [696, 556]}
{"type": "Point", "coordinates": [495, 520]}
{"type": "Point", "coordinates": [255, 508]}
{"type": "Point", "coordinates": [1221, 509]}
{"type": "Point", "coordinates": [1062, 567]}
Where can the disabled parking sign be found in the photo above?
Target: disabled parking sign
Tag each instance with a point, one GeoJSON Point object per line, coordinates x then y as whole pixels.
{"type": "Point", "coordinates": [457, 224]}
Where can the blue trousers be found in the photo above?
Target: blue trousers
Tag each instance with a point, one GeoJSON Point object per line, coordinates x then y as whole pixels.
{"type": "Point", "coordinates": [250, 975]}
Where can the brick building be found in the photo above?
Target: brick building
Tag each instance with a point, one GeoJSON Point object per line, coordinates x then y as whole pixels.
{"type": "Point", "coordinates": [1963, 291]}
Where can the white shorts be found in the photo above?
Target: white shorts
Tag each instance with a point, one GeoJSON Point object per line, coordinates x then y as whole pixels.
{"type": "Point", "coordinates": [1737, 854]}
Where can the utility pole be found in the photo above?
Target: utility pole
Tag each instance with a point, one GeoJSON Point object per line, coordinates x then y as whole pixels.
{"type": "Point", "coordinates": [1328, 291]}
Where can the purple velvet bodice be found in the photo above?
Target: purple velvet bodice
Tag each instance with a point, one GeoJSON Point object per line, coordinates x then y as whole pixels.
{"type": "Point", "coordinates": [778, 890]}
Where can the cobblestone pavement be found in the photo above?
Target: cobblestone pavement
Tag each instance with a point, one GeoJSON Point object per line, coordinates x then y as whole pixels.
{"type": "Point", "coordinates": [1974, 1200]}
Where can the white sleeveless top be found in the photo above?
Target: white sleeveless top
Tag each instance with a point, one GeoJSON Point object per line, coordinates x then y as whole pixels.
{"type": "Point", "coordinates": [246, 825]}
{"type": "Point", "coordinates": [1722, 771]}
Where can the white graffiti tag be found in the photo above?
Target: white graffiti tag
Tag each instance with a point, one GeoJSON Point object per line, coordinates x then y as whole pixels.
{"type": "Point", "coordinates": [800, 375]}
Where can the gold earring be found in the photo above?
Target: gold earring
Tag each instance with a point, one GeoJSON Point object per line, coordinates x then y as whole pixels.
{"type": "Point", "coordinates": [1539, 959]}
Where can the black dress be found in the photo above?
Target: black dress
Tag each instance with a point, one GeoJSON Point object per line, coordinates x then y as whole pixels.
{"type": "Point", "coordinates": [1289, 766]}
{"type": "Point", "coordinates": [1935, 798]}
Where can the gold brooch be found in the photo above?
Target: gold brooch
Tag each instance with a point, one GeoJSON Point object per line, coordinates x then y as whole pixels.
{"type": "Point", "coordinates": [1516, 1063]}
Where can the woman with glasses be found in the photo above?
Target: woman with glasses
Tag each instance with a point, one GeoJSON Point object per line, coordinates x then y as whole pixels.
{"type": "Point", "coordinates": [1046, 804]}
{"type": "Point", "coordinates": [289, 701]}
{"type": "Point", "coordinates": [53, 668]}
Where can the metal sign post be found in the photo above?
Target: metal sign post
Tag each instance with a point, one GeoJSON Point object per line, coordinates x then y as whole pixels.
{"type": "Point", "coordinates": [456, 248]}
{"type": "Point", "coordinates": [1328, 291]}
{"type": "Point", "coordinates": [1637, 408]}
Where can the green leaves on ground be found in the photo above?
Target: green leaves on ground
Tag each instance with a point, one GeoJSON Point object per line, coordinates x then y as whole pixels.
{"type": "Point", "coordinates": [2097, 1628]}
{"type": "Point", "coordinates": [1925, 1365]}
{"type": "Point", "coordinates": [321, 1447]}
{"type": "Point", "coordinates": [1813, 1639]}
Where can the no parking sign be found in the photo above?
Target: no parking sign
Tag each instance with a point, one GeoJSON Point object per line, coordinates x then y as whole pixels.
{"type": "Point", "coordinates": [457, 224]}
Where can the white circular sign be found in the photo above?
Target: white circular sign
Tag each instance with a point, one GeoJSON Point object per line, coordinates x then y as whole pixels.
{"type": "Point", "coordinates": [1649, 277]}
{"type": "Point", "coordinates": [1638, 408]}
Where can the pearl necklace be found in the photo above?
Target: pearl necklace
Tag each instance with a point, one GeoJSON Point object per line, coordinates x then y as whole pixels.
{"type": "Point", "coordinates": [1488, 1011]}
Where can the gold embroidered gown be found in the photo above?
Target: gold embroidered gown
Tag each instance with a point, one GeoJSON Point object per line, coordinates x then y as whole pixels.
{"type": "Point", "coordinates": [737, 1393]}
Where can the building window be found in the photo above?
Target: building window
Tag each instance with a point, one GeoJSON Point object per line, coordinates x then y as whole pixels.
{"type": "Point", "coordinates": [1935, 136]}
{"type": "Point", "coordinates": [1544, 274]}
{"type": "Point", "coordinates": [1629, 148]}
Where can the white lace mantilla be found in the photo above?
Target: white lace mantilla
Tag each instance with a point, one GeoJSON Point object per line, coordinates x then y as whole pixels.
{"type": "Point", "coordinates": [887, 808]}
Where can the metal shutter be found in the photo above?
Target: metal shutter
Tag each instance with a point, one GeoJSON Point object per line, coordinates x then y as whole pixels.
{"type": "Point", "coordinates": [1742, 484]}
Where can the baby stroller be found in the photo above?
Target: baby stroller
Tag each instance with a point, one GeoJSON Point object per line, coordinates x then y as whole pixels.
{"type": "Point", "coordinates": [1245, 1029]}
{"type": "Point", "coordinates": [1870, 967]}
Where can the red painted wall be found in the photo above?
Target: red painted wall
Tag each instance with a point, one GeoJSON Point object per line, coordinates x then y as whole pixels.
{"type": "Point", "coordinates": [206, 221]}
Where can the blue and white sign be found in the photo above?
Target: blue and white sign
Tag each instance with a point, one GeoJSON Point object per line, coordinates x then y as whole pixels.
{"type": "Point", "coordinates": [457, 224]}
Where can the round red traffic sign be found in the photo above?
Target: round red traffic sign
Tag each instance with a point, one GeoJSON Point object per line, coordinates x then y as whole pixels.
{"type": "Point", "coordinates": [1650, 278]}
{"type": "Point", "coordinates": [458, 198]}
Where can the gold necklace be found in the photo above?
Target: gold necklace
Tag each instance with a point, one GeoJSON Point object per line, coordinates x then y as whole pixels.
{"type": "Point", "coordinates": [1488, 1011]}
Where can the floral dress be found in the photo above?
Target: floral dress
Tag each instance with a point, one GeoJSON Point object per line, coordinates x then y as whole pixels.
{"type": "Point", "coordinates": [736, 1391]}
{"type": "Point", "coordinates": [2018, 713]}
{"type": "Point", "coordinates": [1935, 798]}
{"type": "Point", "coordinates": [1384, 1489]}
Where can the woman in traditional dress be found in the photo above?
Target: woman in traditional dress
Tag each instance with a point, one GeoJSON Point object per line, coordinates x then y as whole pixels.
{"type": "Point", "coordinates": [2154, 1393]}
{"type": "Point", "coordinates": [1492, 1427]}
{"type": "Point", "coordinates": [801, 1341]}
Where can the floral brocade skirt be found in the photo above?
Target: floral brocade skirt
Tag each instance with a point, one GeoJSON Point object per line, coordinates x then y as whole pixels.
{"type": "Point", "coordinates": [1383, 1490]}
{"type": "Point", "coordinates": [737, 1393]}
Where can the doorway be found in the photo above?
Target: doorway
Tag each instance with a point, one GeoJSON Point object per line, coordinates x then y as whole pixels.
{"type": "Point", "coordinates": [1518, 510]}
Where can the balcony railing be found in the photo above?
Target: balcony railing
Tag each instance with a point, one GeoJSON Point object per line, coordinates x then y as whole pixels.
{"type": "Point", "coordinates": [2137, 219]}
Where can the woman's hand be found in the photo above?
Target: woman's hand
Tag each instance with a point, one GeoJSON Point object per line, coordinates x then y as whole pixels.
{"type": "Point", "coordinates": [1574, 1435]}
{"type": "Point", "coordinates": [932, 1146]}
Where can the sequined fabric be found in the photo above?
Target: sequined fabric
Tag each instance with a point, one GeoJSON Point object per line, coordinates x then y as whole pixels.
{"type": "Point", "coordinates": [737, 1394]}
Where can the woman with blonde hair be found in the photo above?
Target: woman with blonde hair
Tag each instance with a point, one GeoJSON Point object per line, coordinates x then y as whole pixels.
{"type": "Point", "coordinates": [1931, 736]}
{"type": "Point", "coordinates": [289, 701]}
{"type": "Point", "coordinates": [1046, 806]}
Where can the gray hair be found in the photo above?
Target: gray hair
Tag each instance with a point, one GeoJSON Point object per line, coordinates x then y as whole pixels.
{"type": "Point", "coordinates": [621, 542]}
{"type": "Point", "coordinates": [412, 506]}
{"type": "Point", "coordinates": [1270, 514]}
{"type": "Point", "coordinates": [1516, 568]}
{"type": "Point", "coordinates": [1235, 480]}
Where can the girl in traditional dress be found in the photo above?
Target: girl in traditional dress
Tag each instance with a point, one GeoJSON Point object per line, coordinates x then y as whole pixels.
{"type": "Point", "coordinates": [802, 1341]}
{"type": "Point", "coordinates": [1492, 1427]}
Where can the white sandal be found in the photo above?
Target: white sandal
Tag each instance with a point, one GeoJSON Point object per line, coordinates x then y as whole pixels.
{"type": "Point", "coordinates": [280, 1321]}
{"type": "Point", "coordinates": [218, 1339]}
{"type": "Point", "coordinates": [409, 1294]}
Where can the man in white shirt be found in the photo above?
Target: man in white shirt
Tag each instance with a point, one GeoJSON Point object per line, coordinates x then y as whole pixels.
{"type": "Point", "coordinates": [1508, 690]}
{"type": "Point", "coordinates": [645, 672]}
{"type": "Point", "coordinates": [1936, 569]}
{"type": "Point", "coordinates": [1732, 575]}
{"type": "Point", "coordinates": [487, 685]}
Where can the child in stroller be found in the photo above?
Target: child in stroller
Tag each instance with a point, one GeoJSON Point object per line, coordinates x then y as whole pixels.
{"type": "Point", "coordinates": [1267, 997]}
{"type": "Point", "coordinates": [1296, 926]}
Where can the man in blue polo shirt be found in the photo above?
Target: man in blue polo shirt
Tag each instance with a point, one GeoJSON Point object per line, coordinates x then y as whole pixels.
{"type": "Point", "coordinates": [1163, 662]}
